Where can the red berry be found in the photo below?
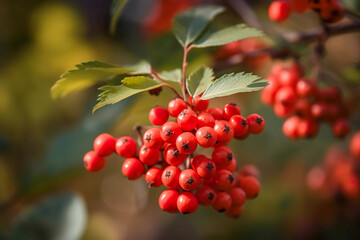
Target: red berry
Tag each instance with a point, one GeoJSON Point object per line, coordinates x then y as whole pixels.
{"type": "Point", "coordinates": [269, 92]}
{"type": "Point", "coordinates": [187, 203]}
{"type": "Point", "coordinates": [290, 127]}
{"type": "Point", "coordinates": [306, 128]}
{"type": "Point", "coordinates": [283, 111]}
{"type": "Point", "coordinates": [256, 123]}
{"type": "Point", "coordinates": [224, 131]}
{"type": "Point", "coordinates": [206, 137]}
{"type": "Point", "coordinates": [189, 180]}
{"type": "Point", "coordinates": [170, 131]}
{"type": "Point", "coordinates": [132, 168]}
{"type": "Point", "coordinates": [305, 88]}
{"type": "Point", "coordinates": [250, 185]}
{"type": "Point", "coordinates": [235, 211]}
{"type": "Point", "coordinates": [238, 197]}
{"type": "Point", "coordinates": [104, 144]}
{"type": "Point", "coordinates": [126, 147]}
{"type": "Point", "coordinates": [158, 116]}
{"type": "Point", "coordinates": [170, 177]}
{"type": "Point", "coordinates": [249, 170]}
{"type": "Point", "coordinates": [355, 145]}
{"type": "Point", "coordinates": [279, 11]}
{"type": "Point", "coordinates": [168, 200]}
{"type": "Point", "coordinates": [222, 156]}
{"type": "Point", "coordinates": [239, 124]}
{"type": "Point", "coordinates": [149, 156]}
{"type": "Point", "coordinates": [222, 202]}
{"type": "Point", "coordinates": [205, 120]}
{"type": "Point", "coordinates": [232, 165]}
{"type": "Point", "coordinates": [176, 106]}
{"type": "Point", "coordinates": [186, 143]}
{"type": "Point", "coordinates": [187, 119]}
{"type": "Point", "coordinates": [230, 110]}
{"type": "Point", "coordinates": [286, 96]}
{"type": "Point", "coordinates": [93, 162]}
{"type": "Point", "coordinates": [217, 113]}
{"type": "Point", "coordinates": [197, 104]}
{"type": "Point", "coordinates": [152, 138]}
{"type": "Point", "coordinates": [206, 168]}
{"type": "Point", "coordinates": [196, 160]}
{"type": "Point", "coordinates": [303, 108]}
{"type": "Point", "coordinates": [153, 177]}
{"type": "Point", "coordinates": [319, 110]}
{"type": "Point", "coordinates": [206, 195]}
{"type": "Point", "coordinates": [173, 156]}
{"type": "Point", "coordinates": [341, 127]}
{"type": "Point", "coordinates": [223, 180]}
{"type": "Point", "coordinates": [299, 6]}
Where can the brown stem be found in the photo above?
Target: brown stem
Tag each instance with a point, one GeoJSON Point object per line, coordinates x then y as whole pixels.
{"type": "Point", "coordinates": [138, 129]}
{"type": "Point", "coordinates": [157, 77]}
{"type": "Point", "coordinates": [184, 65]}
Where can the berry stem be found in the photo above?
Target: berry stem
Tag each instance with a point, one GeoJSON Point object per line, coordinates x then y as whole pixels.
{"type": "Point", "coordinates": [184, 65]}
{"type": "Point", "coordinates": [138, 129]}
{"type": "Point", "coordinates": [157, 77]}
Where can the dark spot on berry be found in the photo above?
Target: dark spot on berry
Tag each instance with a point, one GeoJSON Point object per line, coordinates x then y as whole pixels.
{"type": "Point", "coordinates": [190, 180]}
{"type": "Point", "coordinates": [124, 140]}
{"type": "Point", "coordinates": [185, 146]}
{"type": "Point", "coordinates": [150, 184]}
{"type": "Point", "coordinates": [175, 153]}
{"type": "Point", "coordinates": [244, 123]}
{"type": "Point", "coordinates": [148, 137]}
{"type": "Point", "coordinates": [229, 156]}
{"type": "Point", "coordinates": [183, 112]}
{"type": "Point", "coordinates": [145, 149]}
{"type": "Point", "coordinates": [210, 166]}
{"type": "Point", "coordinates": [169, 132]}
{"type": "Point", "coordinates": [208, 136]}
{"type": "Point", "coordinates": [222, 210]}
{"type": "Point", "coordinates": [226, 129]}
{"type": "Point", "coordinates": [259, 120]}
{"type": "Point", "coordinates": [230, 178]}
{"type": "Point", "coordinates": [211, 196]}
{"type": "Point", "coordinates": [168, 174]}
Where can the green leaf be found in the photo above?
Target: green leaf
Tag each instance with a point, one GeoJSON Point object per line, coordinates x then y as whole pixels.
{"type": "Point", "coordinates": [199, 81]}
{"type": "Point", "coordinates": [130, 86]}
{"type": "Point", "coordinates": [223, 36]}
{"type": "Point", "coordinates": [116, 10]}
{"type": "Point", "coordinates": [189, 25]}
{"type": "Point", "coordinates": [173, 75]}
{"type": "Point", "coordinates": [232, 83]}
{"type": "Point", "coordinates": [88, 74]}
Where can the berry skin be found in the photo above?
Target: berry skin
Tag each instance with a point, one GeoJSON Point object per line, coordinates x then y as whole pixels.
{"type": "Point", "coordinates": [132, 168]}
{"type": "Point", "coordinates": [235, 212]}
{"type": "Point", "coordinates": [170, 177]}
{"type": "Point", "coordinates": [206, 195]}
{"type": "Point", "coordinates": [149, 156]}
{"type": "Point", "coordinates": [205, 120]}
{"type": "Point", "coordinates": [222, 156]}
{"type": "Point", "coordinates": [283, 111]}
{"type": "Point", "coordinates": [289, 77]}
{"type": "Point", "coordinates": [197, 159]}
{"type": "Point", "coordinates": [176, 106]}
{"type": "Point", "coordinates": [170, 131]}
{"type": "Point", "coordinates": [186, 143]}
{"type": "Point", "coordinates": [299, 6]}
{"type": "Point", "coordinates": [223, 180]}
{"type": "Point", "coordinates": [104, 144]}
{"type": "Point", "coordinates": [217, 113]}
{"type": "Point", "coordinates": [222, 202]}
{"type": "Point", "coordinates": [230, 110]}
{"type": "Point", "coordinates": [286, 96]}
{"type": "Point", "coordinates": [249, 170]}
{"type": "Point", "coordinates": [187, 203]}
{"type": "Point", "coordinates": [126, 147]}
{"type": "Point", "coordinates": [197, 104]}
{"type": "Point", "coordinates": [189, 180]}
{"type": "Point", "coordinates": [341, 127]}
{"type": "Point", "coordinates": [256, 123]}
{"type": "Point", "coordinates": [153, 177]}
{"type": "Point", "coordinates": [250, 185]}
{"type": "Point", "coordinates": [206, 137]}
{"type": "Point", "coordinates": [318, 110]}
{"type": "Point", "coordinates": [239, 124]}
{"type": "Point", "coordinates": [279, 11]}
{"type": "Point", "coordinates": [93, 162]}
{"type": "Point", "coordinates": [152, 138]}
{"type": "Point", "coordinates": [269, 92]}
{"type": "Point", "coordinates": [168, 200]}
{"type": "Point", "coordinates": [355, 145]}
{"type": "Point", "coordinates": [224, 131]}
{"type": "Point", "coordinates": [187, 119]}
{"type": "Point", "coordinates": [206, 168]}
{"type": "Point", "coordinates": [303, 108]}
{"type": "Point", "coordinates": [231, 166]}
{"type": "Point", "coordinates": [305, 88]}
{"type": "Point", "coordinates": [158, 116]}
{"type": "Point", "coordinates": [290, 127]}
{"type": "Point", "coordinates": [306, 128]}
{"type": "Point", "coordinates": [173, 156]}
{"type": "Point", "coordinates": [238, 197]}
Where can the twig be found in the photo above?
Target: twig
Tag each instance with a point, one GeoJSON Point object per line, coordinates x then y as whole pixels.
{"type": "Point", "coordinates": [184, 65]}
{"type": "Point", "coordinates": [157, 77]}
{"type": "Point", "coordinates": [138, 129]}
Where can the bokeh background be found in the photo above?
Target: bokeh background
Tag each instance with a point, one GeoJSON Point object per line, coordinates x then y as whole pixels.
{"type": "Point", "coordinates": [45, 193]}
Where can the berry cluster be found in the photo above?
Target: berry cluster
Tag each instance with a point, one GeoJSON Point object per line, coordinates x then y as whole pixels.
{"type": "Point", "coordinates": [167, 156]}
{"type": "Point", "coordinates": [304, 103]}
{"type": "Point", "coordinates": [340, 174]}
{"type": "Point", "coordinates": [330, 11]}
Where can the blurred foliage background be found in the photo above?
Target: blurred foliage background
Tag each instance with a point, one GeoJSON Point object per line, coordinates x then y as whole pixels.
{"type": "Point", "coordinates": [45, 193]}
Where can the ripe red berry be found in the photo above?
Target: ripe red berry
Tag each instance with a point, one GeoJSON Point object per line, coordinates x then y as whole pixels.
{"type": "Point", "coordinates": [224, 131]}
{"type": "Point", "coordinates": [250, 185]}
{"type": "Point", "coordinates": [187, 203]}
{"type": "Point", "coordinates": [256, 123]}
{"type": "Point", "coordinates": [222, 202]}
{"type": "Point", "coordinates": [238, 196]}
{"type": "Point", "coordinates": [187, 119]}
{"type": "Point", "coordinates": [306, 128]}
{"type": "Point", "coordinates": [286, 96]}
{"type": "Point", "coordinates": [290, 127]}
{"type": "Point", "coordinates": [319, 110]}
{"type": "Point", "coordinates": [269, 92]}
{"type": "Point", "coordinates": [206, 195]}
{"type": "Point", "coordinates": [303, 108]}
{"type": "Point", "coordinates": [196, 160]}
{"type": "Point", "coordinates": [197, 104]}
{"type": "Point", "coordinates": [176, 106]}
{"type": "Point", "coordinates": [132, 168]}
{"type": "Point", "coordinates": [355, 145]}
{"type": "Point", "coordinates": [170, 177]}
{"type": "Point", "coordinates": [104, 144]}
{"type": "Point", "coordinates": [222, 156]}
{"type": "Point", "coordinates": [93, 162]}
{"type": "Point", "coordinates": [299, 6]}
{"type": "Point", "coordinates": [223, 180]}
{"type": "Point", "coordinates": [206, 168]}
{"type": "Point", "coordinates": [289, 77]}
{"type": "Point", "coordinates": [239, 124]}
{"type": "Point", "coordinates": [305, 88]}
{"type": "Point", "coordinates": [235, 211]}
{"type": "Point", "coordinates": [205, 120]}
{"type": "Point", "coordinates": [158, 115]}
{"type": "Point", "coordinates": [189, 180]}
{"type": "Point", "coordinates": [168, 200]}
{"type": "Point", "coordinates": [249, 170]}
{"type": "Point", "coordinates": [149, 156]}
{"type": "Point", "coordinates": [152, 138]}
{"type": "Point", "coordinates": [186, 143]}
{"type": "Point", "coordinates": [341, 127]}
{"type": "Point", "coordinates": [126, 147]}
{"type": "Point", "coordinates": [279, 11]}
{"type": "Point", "coordinates": [153, 177]}
{"type": "Point", "coordinates": [217, 113]}
{"type": "Point", "coordinates": [173, 156]}
{"type": "Point", "coordinates": [170, 131]}
{"type": "Point", "coordinates": [283, 111]}
{"type": "Point", "coordinates": [206, 137]}
{"type": "Point", "coordinates": [230, 110]}
{"type": "Point", "coordinates": [231, 166]}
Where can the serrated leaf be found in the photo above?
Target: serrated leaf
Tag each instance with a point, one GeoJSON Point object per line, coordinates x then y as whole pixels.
{"type": "Point", "coordinates": [173, 75]}
{"type": "Point", "coordinates": [199, 81]}
{"type": "Point", "coordinates": [116, 10]}
{"type": "Point", "coordinates": [189, 25]}
{"type": "Point", "coordinates": [223, 36]}
{"type": "Point", "coordinates": [232, 83]}
{"type": "Point", "coordinates": [130, 86]}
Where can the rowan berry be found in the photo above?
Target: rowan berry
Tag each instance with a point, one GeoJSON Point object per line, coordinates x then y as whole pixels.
{"type": "Point", "coordinates": [256, 123]}
{"type": "Point", "coordinates": [149, 156]}
{"type": "Point", "coordinates": [290, 127]}
{"type": "Point", "coordinates": [152, 138]}
{"type": "Point", "coordinates": [170, 177]}
{"type": "Point", "coordinates": [299, 6]}
{"type": "Point", "coordinates": [189, 179]}
{"type": "Point", "coordinates": [223, 180]}
{"type": "Point", "coordinates": [305, 88]}
{"type": "Point", "coordinates": [341, 127]}
{"type": "Point", "coordinates": [269, 92]}
{"type": "Point", "coordinates": [283, 111]}
{"type": "Point", "coordinates": [303, 108]}
{"type": "Point", "coordinates": [235, 211]}
{"type": "Point", "coordinates": [104, 144]}
{"type": "Point", "coordinates": [279, 11]}
{"type": "Point", "coordinates": [249, 170]}
{"type": "Point", "coordinates": [286, 96]}
{"type": "Point", "coordinates": [126, 147]}
{"type": "Point", "coordinates": [238, 196]}
{"type": "Point", "coordinates": [205, 120]}
{"type": "Point", "coordinates": [239, 124]}
{"type": "Point", "coordinates": [206, 168]}
{"type": "Point", "coordinates": [170, 131]}
{"type": "Point", "coordinates": [250, 185]}
{"type": "Point", "coordinates": [222, 156]}
{"type": "Point", "coordinates": [187, 203]}
{"type": "Point", "coordinates": [222, 202]}
{"type": "Point", "coordinates": [224, 131]}
{"type": "Point", "coordinates": [206, 195]}
{"type": "Point", "coordinates": [153, 177]}
{"type": "Point", "coordinates": [158, 115]}
{"type": "Point", "coordinates": [231, 166]}
{"type": "Point", "coordinates": [168, 200]}
{"type": "Point", "coordinates": [197, 159]}
{"type": "Point", "coordinates": [132, 168]}
{"type": "Point", "coordinates": [187, 119]}
{"type": "Point", "coordinates": [186, 143]}
{"type": "Point", "coordinates": [230, 110]}
{"type": "Point", "coordinates": [197, 104]}
{"type": "Point", "coordinates": [93, 162]}
{"type": "Point", "coordinates": [176, 106]}
{"type": "Point", "coordinates": [173, 156]}
{"type": "Point", "coordinates": [206, 137]}
{"type": "Point", "coordinates": [319, 110]}
{"type": "Point", "coordinates": [306, 128]}
{"type": "Point", "coordinates": [289, 77]}
{"type": "Point", "coordinates": [217, 113]}
{"type": "Point", "coordinates": [355, 145]}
